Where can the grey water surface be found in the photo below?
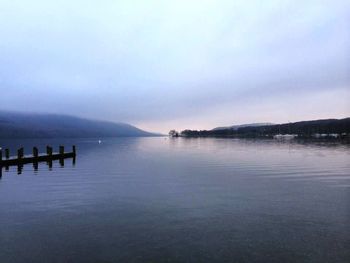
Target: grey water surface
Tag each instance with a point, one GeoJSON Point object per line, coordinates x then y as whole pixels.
{"type": "Point", "coordinates": [178, 200]}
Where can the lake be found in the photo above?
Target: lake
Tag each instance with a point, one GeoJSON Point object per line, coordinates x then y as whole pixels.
{"type": "Point", "coordinates": [178, 200]}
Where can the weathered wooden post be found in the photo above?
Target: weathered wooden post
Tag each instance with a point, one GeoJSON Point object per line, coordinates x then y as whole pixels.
{"type": "Point", "coordinates": [49, 150]}
{"type": "Point", "coordinates": [20, 153]}
{"type": "Point", "coordinates": [35, 152]}
{"type": "Point", "coordinates": [7, 154]}
{"type": "Point", "coordinates": [62, 150]}
{"type": "Point", "coordinates": [74, 150]}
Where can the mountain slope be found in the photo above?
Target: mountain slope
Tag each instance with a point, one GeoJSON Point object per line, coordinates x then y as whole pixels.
{"type": "Point", "coordinates": [303, 129]}
{"type": "Point", "coordinates": [26, 125]}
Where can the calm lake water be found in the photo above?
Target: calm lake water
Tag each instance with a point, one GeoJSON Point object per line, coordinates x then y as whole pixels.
{"type": "Point", "coordinates": [179, 200]}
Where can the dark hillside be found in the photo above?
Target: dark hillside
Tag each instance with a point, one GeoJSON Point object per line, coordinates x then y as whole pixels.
{"type": "Point", "coordinates": [25, 125]}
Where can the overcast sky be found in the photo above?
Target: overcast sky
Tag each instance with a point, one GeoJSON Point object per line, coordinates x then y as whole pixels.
{"type": "Point", "coordinates": [177, 64]}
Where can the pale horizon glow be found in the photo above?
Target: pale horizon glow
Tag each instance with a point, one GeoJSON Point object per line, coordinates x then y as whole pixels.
{"type": "Point", "coordinates": [164, 65]}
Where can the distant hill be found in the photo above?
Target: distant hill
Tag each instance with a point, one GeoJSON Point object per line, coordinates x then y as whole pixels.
{"type": "Point", "coordinates": [27, 125]}
{"type": "Point", "coordinates": [236, 127]}
{"type": "Point", "coordinates": [303, 129]}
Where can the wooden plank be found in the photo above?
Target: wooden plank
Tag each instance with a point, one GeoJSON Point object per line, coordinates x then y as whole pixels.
{"type": "Point", "coordinates": [40, 158]}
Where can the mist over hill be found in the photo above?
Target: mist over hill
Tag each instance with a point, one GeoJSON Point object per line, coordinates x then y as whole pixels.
{"type": "Point", "coordinates": [236, 127]}
{"type": "Point", "coordinates": [32, 125]}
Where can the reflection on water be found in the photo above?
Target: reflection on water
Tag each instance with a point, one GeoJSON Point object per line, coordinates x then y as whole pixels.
{"type": "Point", "coordinates": [179, 200]}
{"type": "Point", "coordinates": [36, 166]}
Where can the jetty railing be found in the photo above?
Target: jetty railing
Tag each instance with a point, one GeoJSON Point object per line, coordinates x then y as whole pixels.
{"type": "Point", "coordinates": [21, 159]}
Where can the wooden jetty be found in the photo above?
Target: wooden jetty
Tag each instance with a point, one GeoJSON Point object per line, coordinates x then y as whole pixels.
{"type": "Point", "coordinates": [21, 159]}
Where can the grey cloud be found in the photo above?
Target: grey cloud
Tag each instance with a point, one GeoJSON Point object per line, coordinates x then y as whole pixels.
{"type": "Point", "coordinates": [148, 61]}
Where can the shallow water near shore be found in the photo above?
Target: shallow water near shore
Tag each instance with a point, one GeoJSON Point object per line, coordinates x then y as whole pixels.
{"type": "Point", "coordinates": [178, 200]}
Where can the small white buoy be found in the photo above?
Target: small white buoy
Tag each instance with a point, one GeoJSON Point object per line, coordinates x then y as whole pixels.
{"type": "Point", "coordinates": [99, 141]}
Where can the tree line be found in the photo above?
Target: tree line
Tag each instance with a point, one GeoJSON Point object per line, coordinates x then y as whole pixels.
{"type": "Point", "coordinates": [302, 129]}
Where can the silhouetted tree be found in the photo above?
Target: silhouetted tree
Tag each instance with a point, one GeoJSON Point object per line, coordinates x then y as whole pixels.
{"type": "Point", "coordinates": [173, 133]}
